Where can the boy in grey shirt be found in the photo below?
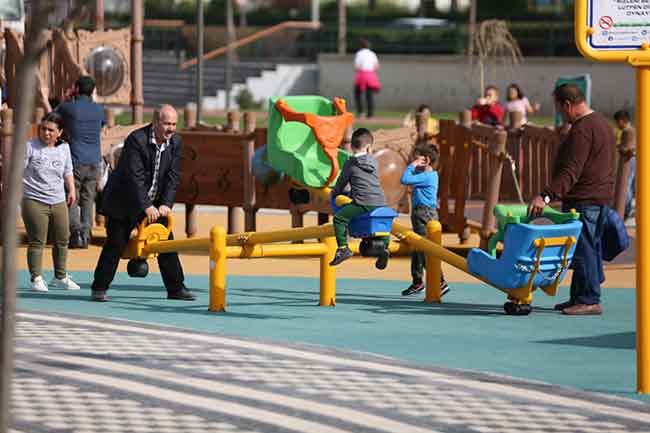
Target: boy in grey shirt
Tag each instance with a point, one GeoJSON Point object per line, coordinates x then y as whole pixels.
{"type": "Point", "coordinates": [360, 172]}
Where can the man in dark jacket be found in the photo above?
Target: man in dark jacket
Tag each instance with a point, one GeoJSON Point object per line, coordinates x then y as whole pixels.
{"type": "Point", "coordinates": [583, 178]}
{"type": "Point", "coordinates": [83, 120]}
{"type": "Point", "coordinates": [143, 185]}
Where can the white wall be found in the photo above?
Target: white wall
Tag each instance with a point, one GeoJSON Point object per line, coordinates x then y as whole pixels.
{"type": "Point", "coordinates": [450, 84]}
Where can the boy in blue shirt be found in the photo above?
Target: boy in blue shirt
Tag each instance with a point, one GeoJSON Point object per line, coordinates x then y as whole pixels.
{"type": "Point", "coordinates": [421, 176]}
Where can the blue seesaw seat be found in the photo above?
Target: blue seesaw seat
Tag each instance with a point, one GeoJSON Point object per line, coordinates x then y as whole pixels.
{"type": "Point", "coordinates": [533, 256]}
{"type": "Point", "coordinates": [378, 222]}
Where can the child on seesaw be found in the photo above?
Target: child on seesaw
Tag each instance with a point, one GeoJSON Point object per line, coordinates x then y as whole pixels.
{"type": "Point", "coordinates": [423, 178]}
{"type": "Point", "coordinates": [360, 172]}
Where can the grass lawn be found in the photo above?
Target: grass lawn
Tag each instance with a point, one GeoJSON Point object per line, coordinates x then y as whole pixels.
{"type": "Point", "coordinates": [383, 119]}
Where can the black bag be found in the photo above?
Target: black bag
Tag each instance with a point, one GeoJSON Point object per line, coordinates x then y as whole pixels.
{"type": "Point", "coordinates": [615, 239]}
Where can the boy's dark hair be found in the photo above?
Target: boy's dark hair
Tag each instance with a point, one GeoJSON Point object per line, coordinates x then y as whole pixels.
{"type": "Point", "coordinates": [85, 85]}
{"type": "Point", "coordinates": [364, 43]}
{"type": "Point", "coordinates": [423, 107]}
{"type": "Point", "coordinates": [568, 93]}
{"type": "Point", "coordinates": [428, 151]}
{"type": "Point", "coordinates": [623, 115]}
{"type": "Point", "coordinates": [361, 138]}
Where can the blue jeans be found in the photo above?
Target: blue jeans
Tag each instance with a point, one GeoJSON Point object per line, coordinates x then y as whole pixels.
{"type": "Point", "coordinates": [587, 262]}
{"type": "Point", "coordinates": [631, 187]}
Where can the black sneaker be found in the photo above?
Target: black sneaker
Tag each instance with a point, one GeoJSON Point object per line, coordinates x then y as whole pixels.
{"type": "Point", "coordinates": [382, 260]}
{"type": "Point", "coordinates": [342, 254]}
{"type": "Point", "coordinates": [444, 288]}
{"type": "Point", "coordinates": [413, 289]}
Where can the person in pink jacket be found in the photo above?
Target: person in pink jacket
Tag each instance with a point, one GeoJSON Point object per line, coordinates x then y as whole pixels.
{"type": "Point", "coordinates": [366, 80]}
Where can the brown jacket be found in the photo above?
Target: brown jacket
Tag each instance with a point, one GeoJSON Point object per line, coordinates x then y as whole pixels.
{"type": "Point", "coordinates": [583, 173]}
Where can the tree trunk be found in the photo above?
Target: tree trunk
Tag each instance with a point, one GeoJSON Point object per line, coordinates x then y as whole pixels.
{"type": "Point", "coordinates": [34, 45]}
{"type": "Point", "coordinates": [342, 39]}
{"type": "Point", "coordinates": [471, 28]}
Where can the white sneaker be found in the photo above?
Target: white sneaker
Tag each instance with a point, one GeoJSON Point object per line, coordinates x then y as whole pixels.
{"type": "Point", "coordinates": [65, 283]}
{"type": "Point", "coordinates": [39, 284]}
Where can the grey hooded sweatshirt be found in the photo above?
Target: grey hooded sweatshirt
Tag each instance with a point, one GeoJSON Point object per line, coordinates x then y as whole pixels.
{"type": "Point", "coordinates": [361, 173]}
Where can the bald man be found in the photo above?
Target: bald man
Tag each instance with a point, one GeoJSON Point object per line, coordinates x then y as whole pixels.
{"type": "Point", "coordinates": [143, 185]}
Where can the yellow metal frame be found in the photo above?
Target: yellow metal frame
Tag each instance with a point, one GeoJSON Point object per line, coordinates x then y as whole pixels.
{"type": "Point", "coordinates": [640, 59]}
{"type": "Point", "coordinates": [583, 32]}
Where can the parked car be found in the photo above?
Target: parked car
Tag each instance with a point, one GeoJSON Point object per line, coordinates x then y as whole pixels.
{"type": "Point", "coordinates": [415, 23]}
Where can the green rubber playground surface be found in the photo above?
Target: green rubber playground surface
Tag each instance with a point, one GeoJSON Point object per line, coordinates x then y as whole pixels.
{"type": "Point", "coordinates": [468, 331]}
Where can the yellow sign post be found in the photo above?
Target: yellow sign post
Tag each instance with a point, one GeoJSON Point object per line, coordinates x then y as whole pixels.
{"type": "Point", "coordinates": [619, 31]}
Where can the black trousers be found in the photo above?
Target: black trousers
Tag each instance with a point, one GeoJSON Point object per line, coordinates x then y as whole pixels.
{"type": "Point", "coordinates": [118, 233]}
{"type": "Point", "coordinates": [370, 101]}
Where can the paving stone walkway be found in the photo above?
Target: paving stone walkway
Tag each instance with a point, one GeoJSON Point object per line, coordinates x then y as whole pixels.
{"type": "Point", "coordinates": [78, 374]}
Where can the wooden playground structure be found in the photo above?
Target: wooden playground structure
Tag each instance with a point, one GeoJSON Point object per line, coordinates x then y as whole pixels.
{"type": "Point", "coordinates": [477, 163]}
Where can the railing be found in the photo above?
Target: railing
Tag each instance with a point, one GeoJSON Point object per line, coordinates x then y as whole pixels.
{"type": "Point", "coordinates": [252, 38]}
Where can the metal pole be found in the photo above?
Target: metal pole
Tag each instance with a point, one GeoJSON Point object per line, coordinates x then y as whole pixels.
{"type": "Point", "coordinates": [199, 57]}
{"type": "Point", "coordinates": [643, 231]}
{"type": "Point", "coordinates": [342, 41]}
{"type": "Point", "coordinates": [34, 45]}
{"type": "Point", "coordinates": [137, 99]}
{"type": "Point", "coordinates": [230, 28]}
{"type": "Point", "coordinates": [315, 11]}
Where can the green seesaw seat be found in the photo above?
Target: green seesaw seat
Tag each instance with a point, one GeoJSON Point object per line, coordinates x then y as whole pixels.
{"type": "Point", "coordinates": [303, 138]}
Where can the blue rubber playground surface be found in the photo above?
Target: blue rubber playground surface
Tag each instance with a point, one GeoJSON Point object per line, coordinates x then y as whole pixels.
{"type": "Point", "coordinates": [468, 331]}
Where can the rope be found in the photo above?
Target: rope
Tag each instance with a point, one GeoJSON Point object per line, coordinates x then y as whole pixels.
{"type": "Point", "coordinates": [513, 171]}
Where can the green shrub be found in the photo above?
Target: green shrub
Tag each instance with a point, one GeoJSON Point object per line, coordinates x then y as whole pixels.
{"type": "Point", "coordinates": [246, 101]}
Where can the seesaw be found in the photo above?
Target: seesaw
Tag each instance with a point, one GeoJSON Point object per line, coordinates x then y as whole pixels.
{"type": "Point", "coordinates": [534, 256]}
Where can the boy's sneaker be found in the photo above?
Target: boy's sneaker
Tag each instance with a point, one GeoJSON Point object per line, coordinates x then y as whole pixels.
{"type": "Point", "coordinates": [444, 288]}
{"type": "Point", "coordinates": [382, 260]}
{"type": "Point", "coordinates": [342, 254]}
{"type": "Point", "coordinates": [65, 283]}
{"type": "Point", "coordinates": [416, 288]}
{"type": "Point", "coordinates": [413, 289]}
{"type": "Point", "coordinates": [39, 284]}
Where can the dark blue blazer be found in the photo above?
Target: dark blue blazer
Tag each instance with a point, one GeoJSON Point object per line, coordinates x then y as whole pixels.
{"type": "Point", "coordinates": [126, 193]}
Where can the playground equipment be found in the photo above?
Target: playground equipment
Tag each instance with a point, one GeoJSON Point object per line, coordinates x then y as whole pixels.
{"type": "Point", "coordinates": [296, 125]}
{"type": "Point", "coordinates": [533, 255]}
{"type": "Point", "coordinates": [372, 227]}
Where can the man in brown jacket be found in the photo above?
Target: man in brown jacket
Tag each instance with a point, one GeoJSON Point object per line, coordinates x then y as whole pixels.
{"type": "Point", "coordinates": [583, 178]}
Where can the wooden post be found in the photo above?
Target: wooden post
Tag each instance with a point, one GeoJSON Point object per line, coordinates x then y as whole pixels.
{"type": "Point", "coordinates": [250, 209]}
{"type": "Point", "coordinates": [99, 15]}
{"type": "Point", "coordinates": [347, 139]}
{"type": "Point", "coordinates": [622, 175]}
{"type": "Point", "coordinates": [496, 154]}
{"type": "Point", "coordinates": [235, 217]}
{"type": "Point", "coordinates": [137, 99]}
{"type": "Point", "coordinates": [465, 118]}
{"type": "Point", "coordinates": [189, 117]}
{"type": "Point", "coordinates": [422, 124]}
{"type": "Point", "coordinates": [39, 113]}
{"type": "Point", "coordinates": [515, 119]}
{"type": "Point", "coordinates": [110, 117]}
{"type": "Point", "coordinates": [191, 213]}
{"type": "Point", "coordinates": [233, 118]}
